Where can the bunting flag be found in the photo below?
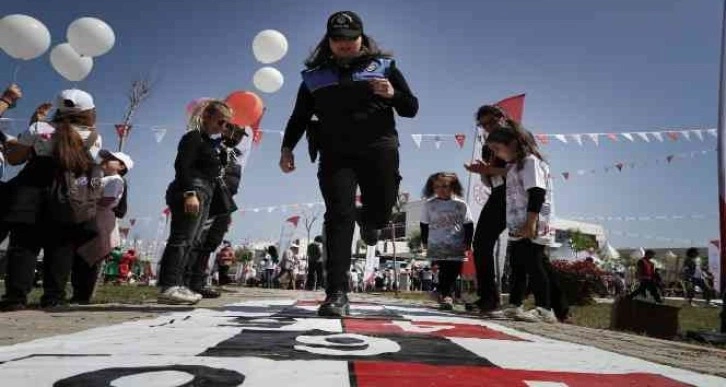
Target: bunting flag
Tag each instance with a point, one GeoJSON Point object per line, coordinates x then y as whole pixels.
{"type": "Point", "coordinates": [650, 237]}
{"type": "Point", "coordinates": [620, 166]}
{"type": "Point", "coordinates": [713, 133]}
{"type": "Point", "coordinates": [417, 138]}
{"type": "Point", "coordinates": [437, 142]}
{"type": "Point", "coordinates": [613, 137]}
{"type": "Point", "coordinates": [641, 218]}
{"type": "Point", "coordinates": [686, 134]}
{"type": "Point", "coordinates": [595, 137]}
{"type": "Point", "coordinates": [672, 135]}
{"type": "Point", "coordinates": [460, 139]}
{"type": "Point", "coordinates": [643, 136]}
{"type": "Point", "coordinates": [158, 133]}
{"type": "Point", "coordinates": [124, 231]}
{"type": "Point", "coordinates": [629, 137]}
{"type": "Point", "coordinates": [513, 106]}
{"type": "Point", "coordinates": [542, 139]}
{"type": "Point", "coordinates": [699, 134]}
{"type": "Point", "coordinates": [132, 222]}
{"type": "Point", "coordinates": [562, 138]}
{"type": "Point", "coordinates": [578, 139]}
{"type": "Point", "coordinates": [658, 136]}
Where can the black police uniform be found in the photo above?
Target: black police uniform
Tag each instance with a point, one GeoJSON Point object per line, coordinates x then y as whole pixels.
{"type": "Point", "coordinates": [358, 145]}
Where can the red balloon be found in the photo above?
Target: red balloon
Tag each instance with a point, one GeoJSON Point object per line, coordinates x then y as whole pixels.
{"type": "Point", "coordinates": [246, 106]}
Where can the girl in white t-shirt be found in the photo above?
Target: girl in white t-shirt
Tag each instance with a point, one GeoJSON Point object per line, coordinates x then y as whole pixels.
{"type": "Point", "coordinates": [446, 231]}
{"type": "Point", "coordinates": [85, 266]}
{"type": "Point", "coordinates": [529, 204]}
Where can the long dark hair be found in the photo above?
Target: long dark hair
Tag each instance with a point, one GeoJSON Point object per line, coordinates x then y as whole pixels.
{"type": "Point", "coordinates": [456, 187]}
{"type": "Point", "coordinates": [70, 150]}
{"type": "Point", "coordinates": [513, 132]}
{"type": "Point", "coordinates": [322, 54]}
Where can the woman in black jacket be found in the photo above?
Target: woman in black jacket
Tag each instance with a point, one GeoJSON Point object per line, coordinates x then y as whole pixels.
{"type": "Point", "coordinates": [353, 89]}
{"type": "Point", "coordinates": [198, 165]}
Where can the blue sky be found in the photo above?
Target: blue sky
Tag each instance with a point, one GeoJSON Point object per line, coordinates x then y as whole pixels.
{"type": "Point", "coordinates": [586, 66]}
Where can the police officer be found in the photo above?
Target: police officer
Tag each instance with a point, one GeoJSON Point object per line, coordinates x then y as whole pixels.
{"type": "Point", "coordinates": [353, 89]}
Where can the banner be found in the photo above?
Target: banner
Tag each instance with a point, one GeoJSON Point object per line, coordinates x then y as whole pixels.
{"type": "Point", "coordinates": [372, 263]}
{"type": "Point", "coordinates": [714, 263]}
{"type": "Point", "coordinates": [287, 234]}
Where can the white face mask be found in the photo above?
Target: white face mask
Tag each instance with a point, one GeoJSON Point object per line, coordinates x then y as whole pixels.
{"type": "Point", "coordinates": [216, 136]}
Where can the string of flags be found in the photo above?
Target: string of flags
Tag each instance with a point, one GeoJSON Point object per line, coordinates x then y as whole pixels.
{"type": "Point", "coordinates": [157, 131]}
{"type": "Point", "coordinates": [647, 218]}
{"type": "Point", "coordinates": [283, 208]}
{"type": "Point", "coordinates": [620, 166]}
{"type": "Point", "coordinates": [689, 242]}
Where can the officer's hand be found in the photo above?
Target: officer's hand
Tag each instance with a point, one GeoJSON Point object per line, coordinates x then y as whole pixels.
{"type": "Point", "coordinates": [287, 161]}
{"type": "Point", "coordinates": [382, 87]}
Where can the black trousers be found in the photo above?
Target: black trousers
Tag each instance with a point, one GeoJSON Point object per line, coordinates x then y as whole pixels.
{"type": "Point", "coordinates": [490, 226]}
{"type": "Point", "coordinates": [375, 170]}
{"type": "Point", "coordinates": [647, 285]}
{"type": "Point", "coordinates": [224, 275]}
{"type": "Point", "coordinates": [315, 276]}
{"type": "Point", "coordinates": [83, 279]}
{"type": "Point", "coordinates": [529, 261]}
{"type": "Point", "coordinates": [211, 237]}
{"type": "Point", "coordinates": [185, 231]}
{"type": "Point", "coordinates": [448, 272]}
{"type": "Point", "coordinates": [58, 243]}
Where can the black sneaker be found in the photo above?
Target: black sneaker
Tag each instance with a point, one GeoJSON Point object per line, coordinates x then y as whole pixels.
{"type": "Point", "coordinates": [12, 305]}
{"type": "Point", "coordinates": [80, 301]}
{"type": "Point", "coordinates": [208, 292]}
{"type": "Point", "coordinates": [335, 305]}
{"type": "Point", "coordinates": [53, 303]}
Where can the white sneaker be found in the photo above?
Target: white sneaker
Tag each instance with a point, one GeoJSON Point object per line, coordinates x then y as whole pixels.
{"type": "Point", "coordinates": [546, 315]}
{"type": "Point", "coordinates": [512, 310]}
{"type": "Point", "coordinates": [192, 293]}
{"type": "Point", "coordinates": [175, 295]}
{"type": "Point", "coordinates": [528, 316]}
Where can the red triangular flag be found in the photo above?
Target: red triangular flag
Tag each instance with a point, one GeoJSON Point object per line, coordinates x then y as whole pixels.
{"type": "Point", "coordinates": [122, 130]}
{"type": "Point", "coordinates": [672, 135]}
{"type": "Point", "coordinates": [460, 139]}
{"type": "Point", "coordinates": [132, 222]}
{"type": "Point", "coordinates": [124, 231]}
{"type": "Point", "coordinates": [167, 211]}
{"type": "Point", "coordinates": [514, 106]}
{"type": "Point", "coordinates": [542, 138]}
{"type": "Point", "coordinates": [566, 175]}
{"type": "Point", "coordinates": [613, 136]}
{"type": "Point", "coordinates": [670, 158]}
{"type": "Point", "coordinates": [294, 220]}
{"type": "Point", "coordinates": [619, 166]}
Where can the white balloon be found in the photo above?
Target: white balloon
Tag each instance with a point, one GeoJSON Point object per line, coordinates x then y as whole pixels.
{"type": "Point", "coordinates": [90, 36]}
{"type": "Point", "coordinates": [68, 63]}
{"type": "Point", "coordinates": [269, 46]}
{"type": "Point", "coordinates": [268, 80]}
{"type": "Point", "coordinates": [23, 37]}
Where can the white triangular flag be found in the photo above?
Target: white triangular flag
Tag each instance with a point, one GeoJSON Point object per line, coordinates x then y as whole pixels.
{"type": "Point", "coordinates": [417, 139]}
{"type": "Point", "coordinates": [581, 172]}
{"type": "Point", "coordinates": [628, 136]}
{"type": "Point", "coordinates": [270, 209]}
{"type": "Point", "coordinates": [713, 132]}
{"type": "Point", "coordinates": [578, 139]}
{"type": "Point", "coordinates": [595, 137]}
{"type": "Point", "coordinates": [158, 133]}
{"type": "Point", "coordinates": [698, 133]}
{"type": "Point", "coordinates": [658, 136]}
{"type": "Point", "coordinates": [686, 135]}
{"type": "Point", "coordinates": [643, 136]}
{"type": "Point", "coordinates": [311, 205]}
{"type": "Point", "coordinates": [282, 135]}
{"type": "Point", "coordinates": [437, 142]}
{"type": "Point", "coordinates": [562, 138]}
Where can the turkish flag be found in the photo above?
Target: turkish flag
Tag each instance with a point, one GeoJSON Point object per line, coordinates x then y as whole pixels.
{"type": "Point", "coordinates": [514, 106]}
{"type": "Point", "coordinates": [294, 220]}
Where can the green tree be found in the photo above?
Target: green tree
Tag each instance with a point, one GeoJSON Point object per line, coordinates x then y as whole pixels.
{"type": "Point", "coordinates": [414, 242]}
{"type": "Point", "coordinates": [242, 254]}
{"type": "Point", "coordinates": [581, 242]}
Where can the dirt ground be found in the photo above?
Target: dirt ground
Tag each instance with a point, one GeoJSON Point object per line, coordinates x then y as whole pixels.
{"type": "Point", "coordinates": [17, 327]}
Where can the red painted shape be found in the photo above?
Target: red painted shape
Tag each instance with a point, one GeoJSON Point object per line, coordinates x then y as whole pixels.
{"type": "Point", "coordinates": [377, 374]}
{"type": "Point", "coordinates": [459, 330]}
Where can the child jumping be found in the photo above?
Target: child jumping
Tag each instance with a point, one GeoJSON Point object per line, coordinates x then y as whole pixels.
{"type": "Point", "coordinates": [447, 229]}
{"type": "Point", "coordinates": [528, 203]}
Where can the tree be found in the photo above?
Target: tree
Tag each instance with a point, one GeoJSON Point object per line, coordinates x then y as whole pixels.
{"type": "Point", "coordinates": [309, 219]}
{"type": "Point", "coordinates": [140, 90]}
{"type": "Point", "coordinates": [581, 242]}
{"type": "Point", "coordinates": [242, 254]}
{"type": "Point", "coordinates": [414, 242]}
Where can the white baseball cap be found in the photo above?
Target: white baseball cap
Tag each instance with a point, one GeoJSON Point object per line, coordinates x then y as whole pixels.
{"type": "Point", "coordinates": [120, 156]}
{"type": "Point", "coordinates": [74, 101]}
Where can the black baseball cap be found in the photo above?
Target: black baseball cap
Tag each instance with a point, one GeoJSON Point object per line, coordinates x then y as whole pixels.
{"type": "Point", "coordinates": [345, 24]}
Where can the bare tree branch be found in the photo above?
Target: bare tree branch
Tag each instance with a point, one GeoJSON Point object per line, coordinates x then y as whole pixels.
{"type": "Point", "coordinates": [140, 91]}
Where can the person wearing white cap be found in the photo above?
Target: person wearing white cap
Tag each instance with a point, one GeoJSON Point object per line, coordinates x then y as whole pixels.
{"type": "Point", "coordinates": [65, 145]}
{"type": "Point", "coordinates": [86, 263]}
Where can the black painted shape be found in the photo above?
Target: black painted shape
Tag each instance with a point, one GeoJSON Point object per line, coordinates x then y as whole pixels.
{"type": "Point", "coordinates": [252, 322]}
{"type": "Point", "coordinates": [203, 376]}
{"type": "Point", "coordinates": [280, 345]}
{"type": "Point", "coordinates": [297, 312]}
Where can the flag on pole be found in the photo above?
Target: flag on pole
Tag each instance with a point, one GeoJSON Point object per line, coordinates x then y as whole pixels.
{"type": "Point", "coordinates": [514, 106]}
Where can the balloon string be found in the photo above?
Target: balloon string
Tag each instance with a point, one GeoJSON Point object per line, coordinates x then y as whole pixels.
{"type": "Point", "coordinates": [15, 72]}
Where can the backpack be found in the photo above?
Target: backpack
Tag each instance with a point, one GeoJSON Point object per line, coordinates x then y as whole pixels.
{"type": "Point", "coordinates": [73, 197]}
{"type": "Point", "coordinates": [122, 207]}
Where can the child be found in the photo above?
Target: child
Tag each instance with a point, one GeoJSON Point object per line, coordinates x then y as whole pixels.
{"type": "Point", "coordinates": [528, 205]}
{"type": "Point", "coordinates": [447, 229]}
{"type": "Point", "coordinates": [115, 165]}
{"type": "Point", "coordinates": [647, 278]}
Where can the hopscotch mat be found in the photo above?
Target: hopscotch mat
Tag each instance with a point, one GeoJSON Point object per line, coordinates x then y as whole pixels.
{"type": "Point", "coordinates": [284, 343]}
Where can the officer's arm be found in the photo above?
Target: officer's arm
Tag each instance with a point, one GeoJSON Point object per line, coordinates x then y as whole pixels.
{"type": "Point", "coordinates": [405, 103]}
{"type": "Point", "coordinates": [299, 119]}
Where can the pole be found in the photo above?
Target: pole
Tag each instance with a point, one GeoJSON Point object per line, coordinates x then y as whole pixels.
{"type": "Point", "coordinates": [473, 152]}
{"type": "Point", "coordinates": [722, 165]}
{"type": "Point", "coordinates": [396, 284]}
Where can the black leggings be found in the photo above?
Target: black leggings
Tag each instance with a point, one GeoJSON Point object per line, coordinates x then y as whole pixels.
{"type": "Point", "coordinates": [448, 272]}
{"type": "Point", "coordinates": [648, 285]}
{"type": "Point", "coordinates": [83, 278]}
{"type": "Point", "coordinates": [490, 226]}
{"type": "Point", "coordinates": [529, 261]}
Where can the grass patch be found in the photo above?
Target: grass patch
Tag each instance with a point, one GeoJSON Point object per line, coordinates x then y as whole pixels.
{"type": "Point", "coordinates": [111, 294]}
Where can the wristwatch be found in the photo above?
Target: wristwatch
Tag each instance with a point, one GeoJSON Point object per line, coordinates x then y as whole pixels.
{"type": "Point", "coordinates": [189, 194]}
